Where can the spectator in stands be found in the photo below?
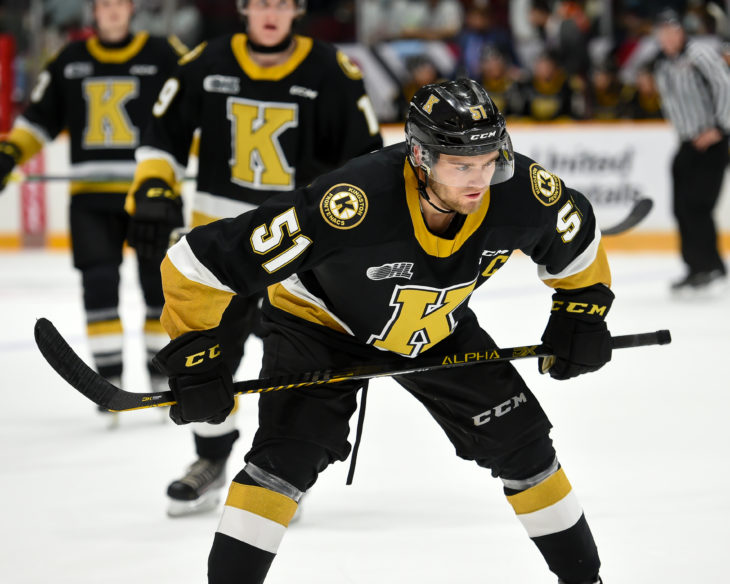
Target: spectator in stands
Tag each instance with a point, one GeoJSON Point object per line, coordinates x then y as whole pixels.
{"type": "Point", "coordinates": [478, 35]}
{"type": "Point", "coordinates": [422, 71]}
{"type": "Point", "coordinates": [429, 20]}
{"type": "Point", "coordinates": [548, 94]}
{"type": "Point", "coordinates": [564, 30]}
{"type": "Point", "coordinates": [606, 94]}
{"type": "Point", "coordinates": [502, 82]}
{"type": "Point", "coordinates": [643, 101]}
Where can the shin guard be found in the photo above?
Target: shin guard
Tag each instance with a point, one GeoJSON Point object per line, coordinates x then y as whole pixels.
{"type": "Point", "coordinates": [256, 514]}
{"type": "Point", "coordinates": [550, 512]}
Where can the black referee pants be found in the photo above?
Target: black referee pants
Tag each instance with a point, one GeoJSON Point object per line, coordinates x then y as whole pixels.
{"type": "Point", "coordinates": [697, 178]}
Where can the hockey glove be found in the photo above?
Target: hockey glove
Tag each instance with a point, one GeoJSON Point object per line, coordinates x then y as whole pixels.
{"type": "Point", "coordinates": [576, 333]}
{"type": "Point", "coordinates": [158, 212]}
{"type": "Point", "coordinates": [198, 378]}
{"type": "Point", "coordinates": [9, 156]}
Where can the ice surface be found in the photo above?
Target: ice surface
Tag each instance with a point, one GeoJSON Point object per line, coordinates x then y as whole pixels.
{"type": "Point", "coordinates": [644, 442]}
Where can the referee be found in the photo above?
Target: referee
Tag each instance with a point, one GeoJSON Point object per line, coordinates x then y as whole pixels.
{"type": "Point", "coordinates": [694, 84]}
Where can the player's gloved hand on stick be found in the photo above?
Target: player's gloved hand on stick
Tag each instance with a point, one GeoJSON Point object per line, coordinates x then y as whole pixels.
{"type": "Point", "coordinates": [200, 382]}
{"type": "Point", "coordinates": [576, 333]}
{"type": "Point", "coordinates": [9, 156]}
{"type": "Point", "coordinates": [158, 212]}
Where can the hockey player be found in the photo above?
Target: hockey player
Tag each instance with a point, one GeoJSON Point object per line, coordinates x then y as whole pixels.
{"type": "Point", "coordinates": [101, 90]}
{"type": "Point", "coordinates": [274, 110]}
{"type": "Point", "coordinates": [380, 258]}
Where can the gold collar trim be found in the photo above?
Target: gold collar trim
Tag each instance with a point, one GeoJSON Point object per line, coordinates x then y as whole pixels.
{"type": "Point", "coordinates": [432, 244]}
{"type": "Point", "coordinates": [121, 55]}
{"type": "Point", "coordinates": [277, 72]}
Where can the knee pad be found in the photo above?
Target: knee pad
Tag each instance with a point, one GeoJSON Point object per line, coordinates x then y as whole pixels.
{"type": "Point", "coordinates": [527, 461]}
{"type": "Point", "coordinates": [295, 462]}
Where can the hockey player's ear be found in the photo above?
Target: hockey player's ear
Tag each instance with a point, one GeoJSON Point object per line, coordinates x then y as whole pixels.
{"type": "Point", "coordinates": [417, 154]}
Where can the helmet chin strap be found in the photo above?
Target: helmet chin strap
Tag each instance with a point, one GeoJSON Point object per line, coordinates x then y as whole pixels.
{"type": "Point", "coordinates": [422, 186]}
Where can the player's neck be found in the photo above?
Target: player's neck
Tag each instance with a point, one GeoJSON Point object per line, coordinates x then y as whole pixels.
{"type": "Point", "coordinates": [271, 59]}
{"type": "Point", "coordinates": [114, 37]}
{"type": "Point", "coordinates": [436, 221]}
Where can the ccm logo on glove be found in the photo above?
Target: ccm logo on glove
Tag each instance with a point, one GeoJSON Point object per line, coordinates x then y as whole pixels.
{"type": "Point", "coordinates": [578, 307]}
{"type": "Point", "coordinates": [198, 358]}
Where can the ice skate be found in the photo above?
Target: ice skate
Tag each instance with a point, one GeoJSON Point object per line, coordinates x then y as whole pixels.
{"type": "Point", "coordinates": [700, 285]}
{"type": "Point", "coordinates": [199, 490]}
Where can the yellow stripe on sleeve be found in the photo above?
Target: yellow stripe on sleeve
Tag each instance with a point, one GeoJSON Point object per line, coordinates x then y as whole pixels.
{"type": "Point", "coordinates": [27, 142]}
{"type": "Point", "coordinates": [598, 272]}
{"type": "Point", "coordinates": [189, 305]}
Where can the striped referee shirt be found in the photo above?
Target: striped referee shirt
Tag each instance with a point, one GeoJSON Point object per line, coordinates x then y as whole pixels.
{"type": "Point", "coordinates": [695, 90]}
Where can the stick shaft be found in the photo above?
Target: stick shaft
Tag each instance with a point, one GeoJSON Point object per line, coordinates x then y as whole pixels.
{"type": "Point", "coordinates": [79, 375]}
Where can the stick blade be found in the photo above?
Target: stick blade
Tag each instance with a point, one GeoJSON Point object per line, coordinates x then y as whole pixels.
{"type": "Point", "coordinates": [637, 214]}
{"type": "Point", "coordinates": [69, 365]}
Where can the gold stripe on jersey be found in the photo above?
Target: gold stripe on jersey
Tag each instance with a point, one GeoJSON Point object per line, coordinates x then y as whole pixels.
{"type": "Point", "coordinates": [27, 143]}
{"type": "Point", "coordinates": [79, 187]}
{"type": "Point", "coordinates": [198, 219]}
{"type": "Point", "coordinates": [284, 300]}
{"type": "Point", "coordinates": [189, 305]}
{"type": "Point", "coordinates": [277, 72]}
{"type": "Point", "coordinates": [432, 244]}
{"type": "Point", "coordinates": [153, 326]}
{"type": "Point", "coordinates": [179, 47]}
{"type": "Point", "coordinates": [122, 55]}
{"type": "Point", "coordinates": [598, 272]}
{"type": "Point", "coordinates": [263, 502]}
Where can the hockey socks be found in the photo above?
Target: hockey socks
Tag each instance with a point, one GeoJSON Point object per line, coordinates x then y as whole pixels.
{"type": "Point", "coordinates": [550, 512]}
{"type": "Point", "coordinates": [256, 514]}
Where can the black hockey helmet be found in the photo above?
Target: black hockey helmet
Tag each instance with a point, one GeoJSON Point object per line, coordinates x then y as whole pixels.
{"type": "Point", "coordinates": [458, 118]}
{"type": "Point", "coordinates": [241, 5]}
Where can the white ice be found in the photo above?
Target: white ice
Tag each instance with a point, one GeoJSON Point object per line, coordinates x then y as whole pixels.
{"type": "Point", "coordinates": [644, 442]}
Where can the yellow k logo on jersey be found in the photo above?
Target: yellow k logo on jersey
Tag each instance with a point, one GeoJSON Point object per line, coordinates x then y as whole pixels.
{"type": "Point", "coordinates": [421, 318]}
{"type": "Point", "coordinates": [258, 160]}
{"type": "Point", "coordinates": [107, 122]}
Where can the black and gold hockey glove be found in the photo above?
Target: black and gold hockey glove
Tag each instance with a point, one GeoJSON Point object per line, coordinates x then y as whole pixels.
{"type": "Point", "coordinates": [158, 212]}
{"type": "Point", "coordinates": [576, 333]}
{"type": "Point", "coordinates": [199, 380]}
{"type": "Point", "coordinates": [9, 156]}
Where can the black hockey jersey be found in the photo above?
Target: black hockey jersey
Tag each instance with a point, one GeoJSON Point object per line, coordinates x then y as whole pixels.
{"type": "Point", "coordinates": [103, 96]}
{"type": "Point", "coordinates": [263, 130]}
{"type": "Point", "coordinates": [352, 252]}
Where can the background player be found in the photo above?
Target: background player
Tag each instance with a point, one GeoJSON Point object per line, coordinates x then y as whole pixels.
{"type": "Point", "coordinates": [274, 110]}
{"type": "Point", "coordinates": [101, 90]}
{"type": "Point", "coordinates": [384, 254]}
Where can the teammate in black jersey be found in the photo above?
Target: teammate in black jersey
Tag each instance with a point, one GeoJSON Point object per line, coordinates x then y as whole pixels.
{"type": "Point", "coordinates": [274, 110]}
{"type": "Point", "coordinates": [376, 259]}
{"type": "Point", "coordinates": [101, 91]}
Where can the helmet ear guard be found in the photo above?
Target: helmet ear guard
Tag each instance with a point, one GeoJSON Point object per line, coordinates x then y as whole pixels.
{"type": "Point", "coordinates": [460, 119]}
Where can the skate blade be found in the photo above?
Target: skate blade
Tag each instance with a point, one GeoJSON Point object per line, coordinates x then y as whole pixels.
{"type": "Point", "coordinates": [203, 504]}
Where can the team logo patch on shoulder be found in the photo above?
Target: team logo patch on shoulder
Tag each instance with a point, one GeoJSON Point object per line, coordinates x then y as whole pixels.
{"type": "Point", "coordinates": [348, 67]}
{"type": "Point", "coordinates": [344, 206]}
{"type": "Point", "coordinates": [545, 185]}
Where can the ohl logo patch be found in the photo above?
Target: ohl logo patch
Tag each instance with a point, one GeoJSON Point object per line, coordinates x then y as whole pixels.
{"type": "Point", "coordinates": [545, 185]}
{"type": "Point", "coordinates": [344, 206]}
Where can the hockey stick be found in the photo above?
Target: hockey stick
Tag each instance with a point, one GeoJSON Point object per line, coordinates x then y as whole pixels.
{"type": "Point", "coordinates": [79, 375]}
{"type": "Point", "coordinates": [16, 176]}
{"type": "Point", "coordinates": [641, 209]}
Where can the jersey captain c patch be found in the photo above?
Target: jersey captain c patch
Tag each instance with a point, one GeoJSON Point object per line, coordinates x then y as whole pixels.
{"type": "Point", "coordinates": [344, 206]}
{"type": "Point", "coordinates": [545, 186]}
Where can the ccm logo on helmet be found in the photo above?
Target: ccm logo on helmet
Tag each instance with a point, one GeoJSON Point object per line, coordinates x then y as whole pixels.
{"type": "Point", "coordinates": [482, 136]}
